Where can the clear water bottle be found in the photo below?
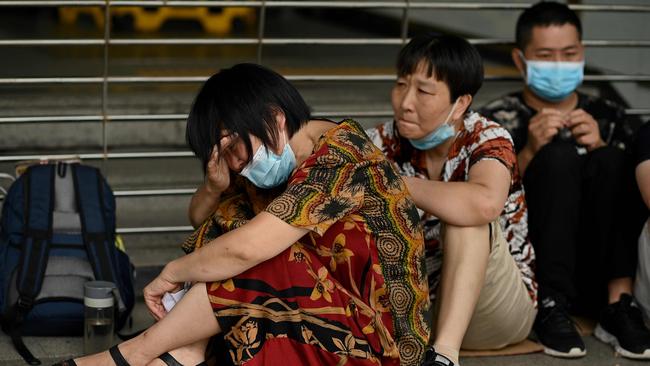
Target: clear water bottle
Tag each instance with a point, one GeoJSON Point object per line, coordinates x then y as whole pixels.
{"type": "Point", "coordinates": [99, 316]}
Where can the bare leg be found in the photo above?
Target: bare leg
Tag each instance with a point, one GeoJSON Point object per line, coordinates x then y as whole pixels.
{"type": "Point", "coordinates": [192, 354]}
{"type": "Point", "coordinates": [190, 322]}
{"type": "Point", "coordinates": [619, 286]}
{"type": "Point", "coordinates": [465, 256]}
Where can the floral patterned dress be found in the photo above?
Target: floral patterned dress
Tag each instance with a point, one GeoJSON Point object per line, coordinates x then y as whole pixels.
{"type": "Point", "coordinates": [353, 291]}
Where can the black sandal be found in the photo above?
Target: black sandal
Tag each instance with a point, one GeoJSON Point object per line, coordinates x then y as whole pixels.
{"type": "Point", "coordinates": [114, 352]}
{"type": "Point", "coordinates": [117, 357]}
{"type": "Point", "coordinates": [171, 361]}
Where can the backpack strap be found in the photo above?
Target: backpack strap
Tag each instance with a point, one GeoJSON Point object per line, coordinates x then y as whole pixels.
{"type": "Point", "coordinates": [97, 236]}
{"type": "Point", "coordinates": [35, 250]}
{"type": "Point", "coordinates": [90, 202]}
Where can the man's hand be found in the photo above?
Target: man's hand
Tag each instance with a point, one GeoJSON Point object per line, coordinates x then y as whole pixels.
{"type": "Point", "coordinates": [585, 129]}
{"type": "Point", "coordinates": [543, 127]}
{"type": "Point", "coordinates": [154, 292]}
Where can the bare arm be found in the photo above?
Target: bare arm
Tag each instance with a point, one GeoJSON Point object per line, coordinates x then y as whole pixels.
{"type": "Point", "coordinates": [643, 180]}
{"type": "Point", "coordinates": [203, 203]}
{"type": "Point", "coordinates": [264, 237]}
{"type": "Point", "coordinates": [478, 201]}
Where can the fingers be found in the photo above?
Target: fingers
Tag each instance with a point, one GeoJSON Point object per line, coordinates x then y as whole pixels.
{"type": "Point", "coordinates": [155, 307]}
{"type": "Point", "coordinates": [582, 123]}
{"type": "Point", "coordinates": [214, 156]}
{"type": "Point", "coordinates": [153, 294]}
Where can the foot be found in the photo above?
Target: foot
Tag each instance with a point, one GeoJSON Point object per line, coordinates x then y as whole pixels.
{"type": "Point", "coordinates": [433, 358]}
{"type": "Point", "coordinates": [112, 357]}
{"type": "Point", "coordinates": [556, 331]}
{"type": "Point", "coordinates": [621, 325]}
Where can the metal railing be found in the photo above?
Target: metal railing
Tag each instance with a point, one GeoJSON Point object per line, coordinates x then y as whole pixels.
{"type": "Point", "coordinates": [107, 41]}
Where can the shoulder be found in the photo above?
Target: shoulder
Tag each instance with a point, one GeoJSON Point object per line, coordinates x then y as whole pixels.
{"type": "Point", "coordinates": [504, 108]}
{"type": "Point", "coordinates": [600, 107]}
{"type": "Point", "coordinates": [479, 129]}
{"type": "Point", "coordinates": [385, 137]}
{"type": "Point", "coordinates": [344, 143]}
{"type": "Point", "coordinates": [382, 132]}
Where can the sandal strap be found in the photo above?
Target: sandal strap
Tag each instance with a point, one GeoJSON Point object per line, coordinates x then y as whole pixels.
{"type": "Point", "coordinates": [169, 359]}
{"type": "Point", "coordinates": [117, 357]}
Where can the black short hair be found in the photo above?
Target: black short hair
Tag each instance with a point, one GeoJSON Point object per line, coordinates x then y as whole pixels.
{"type": "Point", "coordinates": [243, 100]}
{"type": "Point", "coordinates": [453, 60]}
{"type": "Point", "coordinates": [544, 14]}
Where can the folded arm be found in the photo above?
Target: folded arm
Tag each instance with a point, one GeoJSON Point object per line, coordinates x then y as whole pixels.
{"type": "Point", "coordinates": [264, 237]}
{"type": "Point", "coordinates": [478, 201]}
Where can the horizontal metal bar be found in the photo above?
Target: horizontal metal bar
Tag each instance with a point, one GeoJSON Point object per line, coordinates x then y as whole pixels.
{"type": "Point", "coordinates": [323, 4]}
{"type": "Point", "coordinates": [99, 156]}
{"type": "Point", "coordinates": [158, 117]}
{"type": "Point", "coordinates": [55, 80]}
{"type": "Point", "coordinates": [255, 41]}
{"type": "Point", "coordinates": [280, 41]}
{"type": "Point", "coordinates": [51, 42]}
{"type": "Point", "coordinates": [49, 119]}
{"type": "Point", "coordinates": [95, 118]}
{"type": "Point", "coordinates": [151, 230]}
{"type": "Point", "coordinates": [154, 192]}
{"type": "Point", "coordinates": [182, 117]}
{"type": "Point", "coordinates": [199, 79]}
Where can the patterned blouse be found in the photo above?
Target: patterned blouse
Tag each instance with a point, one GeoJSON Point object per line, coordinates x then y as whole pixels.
{"type": "Point", "coordinates": [353, 290]}
{"type": "Point", "coordinates": [478, 139]}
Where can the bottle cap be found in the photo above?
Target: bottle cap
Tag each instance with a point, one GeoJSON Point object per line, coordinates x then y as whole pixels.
{"type": "Point", "coordinates": [98, 294]}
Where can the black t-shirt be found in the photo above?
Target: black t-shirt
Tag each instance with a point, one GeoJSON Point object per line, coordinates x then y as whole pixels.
{"type": "Point", "coordinates": [641, 148]}
{"type": "Point", "coordinates": [616, 129]}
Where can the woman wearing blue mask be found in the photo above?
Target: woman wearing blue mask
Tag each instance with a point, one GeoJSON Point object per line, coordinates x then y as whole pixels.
{"type": "Point", "coordinates": [311, 252]}
{"type": "Point", "coordinates": [462, 172]}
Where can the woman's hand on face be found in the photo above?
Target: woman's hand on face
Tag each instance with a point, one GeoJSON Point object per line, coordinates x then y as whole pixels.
{"type": "Point", "coordinates": [217, 178]}
{"type": "Point", "coordinates": [154, 292]}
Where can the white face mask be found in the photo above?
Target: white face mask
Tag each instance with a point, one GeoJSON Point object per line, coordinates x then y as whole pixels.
{"type": "Point", "coordinates": [441, 134]}
{"type": "Point", "coordinates": [268, 169]}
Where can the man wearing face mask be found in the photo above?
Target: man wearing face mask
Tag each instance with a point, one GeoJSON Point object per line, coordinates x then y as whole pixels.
{"type": "Point", "coordinates": [570, 148]}
{"type": "Point", "coordinates": [461, 170]}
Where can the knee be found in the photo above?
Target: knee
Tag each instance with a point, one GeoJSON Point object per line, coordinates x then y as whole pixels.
{"type": "Point", "coordinates": [556, 156]}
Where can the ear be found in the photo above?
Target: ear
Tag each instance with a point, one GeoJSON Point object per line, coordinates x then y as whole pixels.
{"type": "Point", "coordinates": [464, 101]}
{"type": "Point", "coordinates": [518, 61]}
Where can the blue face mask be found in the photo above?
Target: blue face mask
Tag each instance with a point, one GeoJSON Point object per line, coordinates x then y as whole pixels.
{"type": "Point", "coordinates": [268, 169]}
{"type": "Point", "coordinates": [553, 80]}
{"type": "Point", "coordinates": [438, 136]}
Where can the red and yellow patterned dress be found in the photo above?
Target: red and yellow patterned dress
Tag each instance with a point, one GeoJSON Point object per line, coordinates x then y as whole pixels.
{"type": "Point", "coordinates": [353, 291]}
